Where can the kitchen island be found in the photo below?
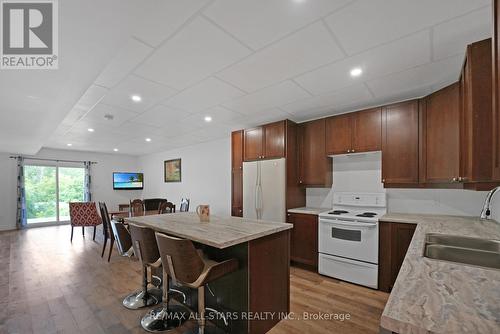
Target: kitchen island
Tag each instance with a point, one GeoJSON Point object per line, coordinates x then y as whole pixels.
{"type": "Point", "coordinates": [257, 295]}
{"type": "Point", "coordinates": [435, 296]}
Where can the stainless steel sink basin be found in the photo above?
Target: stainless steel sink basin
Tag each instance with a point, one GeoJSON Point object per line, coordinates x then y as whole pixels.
{"type": "Point", "coordinates": [474, 251]}
{"type": "Point", "coordinates": [463, 242]}
{"type": "Point", "coordinates": [463, 255]}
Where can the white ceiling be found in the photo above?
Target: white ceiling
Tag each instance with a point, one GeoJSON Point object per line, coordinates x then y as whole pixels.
{"type": "Point", "coordinates": [242, 62]}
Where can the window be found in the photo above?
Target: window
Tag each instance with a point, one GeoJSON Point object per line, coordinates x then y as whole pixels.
{"type": "Point", "coordinates": [49, 189]}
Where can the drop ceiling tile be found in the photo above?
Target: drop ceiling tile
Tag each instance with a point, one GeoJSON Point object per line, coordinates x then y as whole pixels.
{"type": "Point", "coordinates": [452, 37]}
{"type": "Point", "coordinates": [109, 115]}
{"type": "Point", "coordinates": [353, 96]}
{"type": "Point", "coordinates": [365, 24]}
{"type": "Point", "coordinates": [267, 98]}
{"type": "Point", "coordinates": [221, 115]}
{"type": "Point", "coordinates": [150, 92]}
{"type": "Point", "coordinates": [126, 59]}
{"type": "Point", "coordinates": [89, 99]}
{"type": "Point", "coordinates": [399, 84]}
{"type": "Point", "coordinates": [161, 116]}
{"type": "Point", "coordinates": [260, 22]}
{"type": "Point", "coordinates": [197, 51]}
{"type": "Point", "coordinates": [303, 51]}
{"type": "Point", "coordinates": [267, 116]}
{"type": "Point", "coordinates": [134, 129]}
{"type": "Point", "coordinates": [206, 94]}
{"type": "Point", "coordinates": [399, 55]}
{"type": "Point", "coordinates": [159, 19]}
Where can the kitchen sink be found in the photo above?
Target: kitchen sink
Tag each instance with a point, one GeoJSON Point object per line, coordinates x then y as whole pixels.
{"type": "Point", "coordinates": [474, 251]}
{"type": "Point", "coordinates": [463, 242]}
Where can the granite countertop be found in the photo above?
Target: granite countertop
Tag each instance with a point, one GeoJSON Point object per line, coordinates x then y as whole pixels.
{"type": "Point", "coordinates": [432, 296]}
{"type": "Point", "coordinates": [220, 232]}
{"type": "Point", "coordinates": [307, 210]}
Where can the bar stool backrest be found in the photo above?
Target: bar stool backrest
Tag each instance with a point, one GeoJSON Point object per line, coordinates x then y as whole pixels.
{"type": "Point", "coordinates": [144, 243]}
{"type": "Point", "coordinates": [185, 260]}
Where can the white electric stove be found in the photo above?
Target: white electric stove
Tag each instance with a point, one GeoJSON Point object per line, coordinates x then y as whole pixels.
{"type": "Point", "coordinates": [348, 237]}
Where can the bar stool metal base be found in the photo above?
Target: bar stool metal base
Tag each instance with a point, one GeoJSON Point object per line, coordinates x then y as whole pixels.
{"type": "Point", "coordinates": [136, 300]}
{"type": "Point", "coordinates": [164, 319]}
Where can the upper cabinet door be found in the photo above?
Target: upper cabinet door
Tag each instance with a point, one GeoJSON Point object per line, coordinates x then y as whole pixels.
{"type": "Point", "coordinates": [274, 140]}
{"type": "Point", "coordinates": [253, 144]}
{"type": "Point", "coordinates": [237, 150]}
{"type": "Point", "coordinates": [315, 166]}
{"type": "Point", "coordinates": [441, 136]}
{"type": "Point", "coordinates": [339, 134]}
{"type": "Point", "coordinates": [400, 143]}
{"type": "Point", "coordinates": [367, 130]}
{"type": "Point", "coordinates": [496, 90]}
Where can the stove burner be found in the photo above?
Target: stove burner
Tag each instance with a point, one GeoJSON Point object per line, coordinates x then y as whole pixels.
{"type": "Point", "coordinates": [367, 214]}
{"type": "Point", "coordinates": [337, 212]}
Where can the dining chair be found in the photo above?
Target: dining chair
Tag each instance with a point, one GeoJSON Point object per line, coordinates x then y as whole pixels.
{"type": "Point", "coordinates": [151, 204]}
{"type": "Point", "coordinates": [166, 207]}
{"type": "Point", "coordinates": [83, 214]}
{"type": "Point", "coordinates": [106, 230]}
{"type": "Point", "coordinates": [137, 207]}
{"type": "Point", "coordinates": [184, 205]}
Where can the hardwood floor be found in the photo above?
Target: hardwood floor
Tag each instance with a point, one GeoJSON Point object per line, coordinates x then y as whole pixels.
{"type": "Point", "coordinates": [49, 285]}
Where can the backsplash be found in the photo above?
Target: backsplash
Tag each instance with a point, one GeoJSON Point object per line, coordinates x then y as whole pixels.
{"type": "Point", "coordinates": [363, 173]}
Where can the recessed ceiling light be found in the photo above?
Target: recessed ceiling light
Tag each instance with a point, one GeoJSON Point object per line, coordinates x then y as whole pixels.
{"type": "Point", "coordinates": [115, 149]}
{"type": "Point", "coordinates": [90, 130]}
{"type": "Point", "coordinates": [356, 72]}
{"type": "Point", "coordinates": [69, 144]}
{"type": "Point", "coordinates": [208, 118]}
{"type": "Point", "coordinates": [136, 98]}
{"type": "Point", "coordinates": [148, 139]}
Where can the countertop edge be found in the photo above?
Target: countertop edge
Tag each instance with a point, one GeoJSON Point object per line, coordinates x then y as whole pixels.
{"type": "Point", "coordinates": [283, 227]}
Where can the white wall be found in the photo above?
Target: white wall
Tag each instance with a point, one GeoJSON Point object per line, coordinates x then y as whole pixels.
{"type": "Point", "coordinates": [102, 180]}
{"type": "Point", "coordinates": [206, 175]}
{"type": "Point", "coordinates": [363, 173]}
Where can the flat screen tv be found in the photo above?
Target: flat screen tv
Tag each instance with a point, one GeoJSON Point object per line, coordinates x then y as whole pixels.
{"type": "Point", "coordinates": [128, 181]}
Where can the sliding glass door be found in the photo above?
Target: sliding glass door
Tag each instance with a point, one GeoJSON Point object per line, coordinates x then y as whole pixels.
{"type": "Point", "coordinates": [49, 189]}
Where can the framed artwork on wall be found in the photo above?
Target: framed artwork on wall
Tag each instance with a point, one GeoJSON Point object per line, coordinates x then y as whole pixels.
{"type": "Point", "coordinates": [172, 170]}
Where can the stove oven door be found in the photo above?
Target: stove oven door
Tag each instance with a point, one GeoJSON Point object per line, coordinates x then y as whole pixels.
{"type": "Point", "coordinates": [349, 239]}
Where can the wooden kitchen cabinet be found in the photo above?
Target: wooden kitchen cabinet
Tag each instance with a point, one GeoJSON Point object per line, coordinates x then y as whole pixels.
{"type": "Point", "coordinates": [253, 144]}
{"type": "Point", "coordinates": [304, 238]}
{"type": "Point", "coordinates": [315, 167]}
{"type": "Point", "coordinates": [265, 142]}
{"type": "Point", "coordinates": [394, 240]}
{"type": "Point", "coordinates": [339, 134]}
{"type": "Point", "coordinates": [440, 136]}
{"type": "Point", "coordinates": [400, 148]}
{"type": "Point", "coordinates": [237, 173]}
{"type": "Point", "coordinates": [496, 92]}
{"type": "Point", "coordinates": [476, 114]}
{"type": "Point", "coordinates": [354, 132]}
{"type": "Point", "coordinates": [274, 140]}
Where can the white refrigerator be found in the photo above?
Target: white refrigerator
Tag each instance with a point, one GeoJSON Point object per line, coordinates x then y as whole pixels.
{"type": "Point", "coordinates": [264, 190]}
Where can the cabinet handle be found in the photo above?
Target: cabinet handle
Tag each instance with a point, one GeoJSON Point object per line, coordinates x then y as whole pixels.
{"type": "Point", "coordinates": [454, 179]}
{"type": "Point", "coordinates": [383, 180]}
{"type": "Point", "coordinates": [348, 151]}
{"type": "Point", "coordinates": [353, 151]}
{"type": "Point", "coordinates": [300, 181]}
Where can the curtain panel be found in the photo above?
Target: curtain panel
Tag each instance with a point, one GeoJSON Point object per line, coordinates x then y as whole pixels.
{"type": "Point", "coordinates": [88, 181]}
{"type": "Point", "coordinates": [21, 216]}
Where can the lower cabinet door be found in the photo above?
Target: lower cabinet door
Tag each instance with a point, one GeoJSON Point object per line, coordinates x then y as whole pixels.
{"type": "Point", "coordinates": [304, 240]}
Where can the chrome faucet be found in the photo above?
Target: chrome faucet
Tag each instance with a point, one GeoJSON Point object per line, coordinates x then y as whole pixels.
{"type": "Point", "coordinates": [486, 212]}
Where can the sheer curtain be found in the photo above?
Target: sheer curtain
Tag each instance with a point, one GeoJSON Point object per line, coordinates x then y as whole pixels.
{"type": "Point", "coordinates": [21, 219]}
{"type": "Point", "coordinates": [88, 182]}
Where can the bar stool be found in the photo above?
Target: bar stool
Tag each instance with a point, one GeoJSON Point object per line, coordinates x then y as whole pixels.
{"type": "Point", "coordinates": [146, 250]}
{"type": "Point", "coordinates": [188, 266]}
